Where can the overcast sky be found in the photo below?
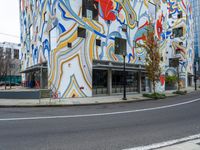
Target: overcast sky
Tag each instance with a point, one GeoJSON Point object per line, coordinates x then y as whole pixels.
{"type": "Point", "coordinates": [9, 21]}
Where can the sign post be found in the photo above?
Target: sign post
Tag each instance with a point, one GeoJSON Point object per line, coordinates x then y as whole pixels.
{"type": "Point", "coordinates": [120, 49]}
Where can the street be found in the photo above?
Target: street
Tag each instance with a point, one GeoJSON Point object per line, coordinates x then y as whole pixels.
{"type": "Point", "coordinates": [100, 127]}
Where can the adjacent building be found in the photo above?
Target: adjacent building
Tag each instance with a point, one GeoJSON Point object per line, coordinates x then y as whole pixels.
{"type": "Point", "coordinates": [13, 51]}
{"type": "Point", "coordinates": [196, 18]}
{"type": "Point", "coordinates": [74, 47]}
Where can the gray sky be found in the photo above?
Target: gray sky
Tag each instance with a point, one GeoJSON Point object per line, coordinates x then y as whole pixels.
{"type": "Point", "coordinates": [9, 21]}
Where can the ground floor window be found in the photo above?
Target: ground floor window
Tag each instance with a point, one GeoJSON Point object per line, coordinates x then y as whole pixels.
{"type": "Point", "coordinates": [100, 79]}
{"type": "Point", "coordinates": [118, 81]}
{"type": "Point", "coordinates": [143, 82]}
{"type": "Point", "coordinates": [106, 83]}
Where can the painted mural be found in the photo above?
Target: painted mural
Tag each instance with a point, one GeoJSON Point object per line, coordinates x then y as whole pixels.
{"type": "Point", "coordinates": [49, 26]}
{"type": "Point", "coordinates": [182, 47]}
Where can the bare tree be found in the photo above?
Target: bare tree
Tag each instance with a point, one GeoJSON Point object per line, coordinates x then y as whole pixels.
{"type": "Point", "coordinates": [5, 63]}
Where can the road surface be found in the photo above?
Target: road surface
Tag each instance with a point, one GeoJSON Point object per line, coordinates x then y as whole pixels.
{"type": "Point", "coordinates": [100, 127]}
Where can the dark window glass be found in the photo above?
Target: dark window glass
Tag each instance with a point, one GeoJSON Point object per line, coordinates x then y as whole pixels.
{"type": "Point", "coordinates": [98, 42]}
{"type": "Point", "coordinates": [124, 28]}
{"type": "Point", "coordinates": [1, 50]}
{"type": "Point", "coordinates": [100, 81]}
{"type": "Point", "coordinates": [180, 15]}
{"type": "Point", "coordinates": [8, 52]}
{"type": "Point", "coordinates": [81, 32]}
{"type": "Point", "coordinates": [16, 53]}
{"type": "Point", "coordinates": [69, 45]}
{"type": "Point", "coordinates": [118, 81]}
{"type": "Point", "coordinates": [178, 32]}
{"type": "Point", "coordinates": [90, 9]}
{"type": "Point", "coordinates": [120, 46]}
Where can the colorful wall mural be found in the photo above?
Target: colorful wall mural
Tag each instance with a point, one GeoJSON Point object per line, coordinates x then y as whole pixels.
{"type": "Point", "coordinates": [180, 16]}
{"type": "Point", "coordinates": [49, 34]}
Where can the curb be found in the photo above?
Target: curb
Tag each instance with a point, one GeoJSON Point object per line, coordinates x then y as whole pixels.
{"type": "Point", "coordinates": [88, 104]}
{"type": "Point", "coordinates": [84, 104]}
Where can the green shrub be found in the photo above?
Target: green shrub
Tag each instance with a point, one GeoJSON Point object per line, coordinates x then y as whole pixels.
{"type": "Point", "coordinates": [155, 96]}
{"type": "Point", "coordinates": [171, 79]}
{"type": "Point", "coordinates": [180, 92]}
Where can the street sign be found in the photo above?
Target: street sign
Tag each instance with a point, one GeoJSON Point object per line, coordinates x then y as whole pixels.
{"type": "Point", "coordinates": [173, 62]}
{"type": "Point", "coordinates": [120, 46]}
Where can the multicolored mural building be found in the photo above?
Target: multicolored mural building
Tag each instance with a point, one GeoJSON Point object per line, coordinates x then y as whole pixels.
{"type": "Point", "coordinates": [69, 46]}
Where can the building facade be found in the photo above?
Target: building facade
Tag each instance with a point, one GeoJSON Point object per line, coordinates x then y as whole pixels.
{"type": "Point", "coordinates": [196, 17]}
{"type": "Point", "coordinates": [180, 41]}
{"type": "Point", "coordinates": [73, 46]}
{"type": "Point", "coordinates": [14, 67]}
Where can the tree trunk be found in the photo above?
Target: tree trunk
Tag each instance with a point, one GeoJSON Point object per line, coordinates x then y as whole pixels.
{"type": "Point", "coordinates": [154, 87]}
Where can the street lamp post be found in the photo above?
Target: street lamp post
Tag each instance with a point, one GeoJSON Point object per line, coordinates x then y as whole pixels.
{"type": "Point", "coordinates": [120, 49]}
{"type": "Point", "coordinates": [124, 76]}
{"type": "Point", "coordinates": [195, 75]}
{"type": "Point", "coordinates": [178, 75]}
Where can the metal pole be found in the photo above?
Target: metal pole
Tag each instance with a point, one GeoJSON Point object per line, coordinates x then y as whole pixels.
{"type": "Point", "coordinates": [124, 97]}
{"type": "Point", "coordinates": [195, 76]}
{"type": "Point", "coordinates": [10, 77]}
{"type": "Point", "coordinates": [178, 78]}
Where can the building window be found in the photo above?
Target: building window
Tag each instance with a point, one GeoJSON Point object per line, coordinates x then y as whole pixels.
{"type": "Point", "coordinates": [170, 15]}
{"type": "Point", "coordinates": [16, 54]}
{"type": "Point", "coordinates": [90, 9]}
{"type": "Point", "coordinates": [1, 50]}
{"type": "Point", "coordinates": [124, 28]}
{"type": "Point", "coordinates": [37, 29]}
{"type": "Point", "coordinates": [31, 32]}
{"type": "Point", "coordinates": [180, 15]}
{"type": "Point", "coordinates": [98, 42]}
{"type": "Point", "coordinates": [181, 43]}
{"type": "Point", "coordinates": [178, 32]}
{"type": "Point", "coordinates": [12, 66]}
{"type": "Point", "coordinates": [53, 38]}
{"type": "Point", "coordinates": [118, 81]}
{"type": "Point", "coordinates": [120, 46]}
{"type": "Point", "coordinates": [69, 45]}
{"type": "Point", "coordinates": [81, 32]}
{"type": "Point", "coordinates": [8, 53]}
{"type": "Point", "coordinates": [99, 82]}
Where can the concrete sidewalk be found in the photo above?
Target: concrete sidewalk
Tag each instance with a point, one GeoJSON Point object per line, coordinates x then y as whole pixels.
{"type": "Point", "coordinates": [78, 101]}
{"type": "Point", "coordinates": [190, 145]}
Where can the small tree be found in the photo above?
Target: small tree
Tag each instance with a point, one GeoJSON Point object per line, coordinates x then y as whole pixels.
{"type": "Point", "coordinates": [153, 58]}
{"type": "Point", "coordinates": [5, 61]}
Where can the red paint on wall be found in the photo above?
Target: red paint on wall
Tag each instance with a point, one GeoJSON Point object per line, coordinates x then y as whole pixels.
{"type": "Point", "coordinates": [162, 80]}
{"type": "Point", "coordinates": [107, 7]}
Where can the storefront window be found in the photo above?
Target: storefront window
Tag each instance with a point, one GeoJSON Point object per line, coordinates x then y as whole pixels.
{"type": "Point", "coordinates": [131, 81]}
{"type": "Point", "coordinates": [100, 78]}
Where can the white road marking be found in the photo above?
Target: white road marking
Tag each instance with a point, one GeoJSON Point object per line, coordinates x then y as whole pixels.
{"type": "Point", "coordinates": [167, 143]}
{"type": "Point", "coordinates": [100, 114]}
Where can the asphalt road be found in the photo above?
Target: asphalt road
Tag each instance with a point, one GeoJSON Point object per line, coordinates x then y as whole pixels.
{"type": "Point", "coordinates": [99, 127]}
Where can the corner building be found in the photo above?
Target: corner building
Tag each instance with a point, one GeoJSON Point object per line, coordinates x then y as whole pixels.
{"type": "Point", "coordinates": [70, 46]}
